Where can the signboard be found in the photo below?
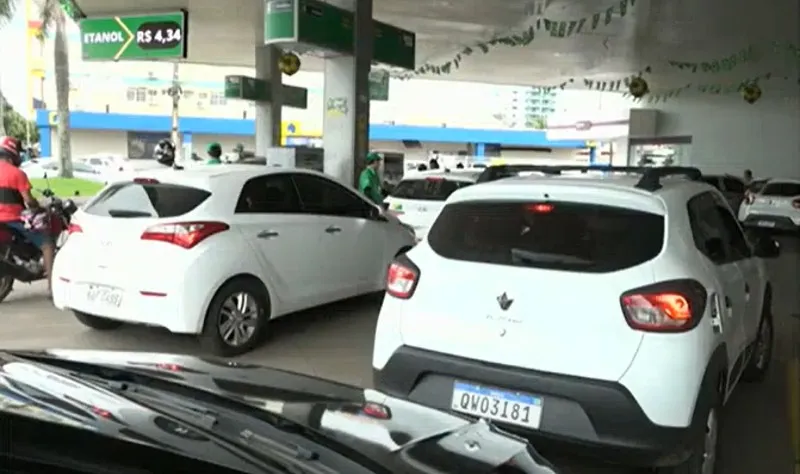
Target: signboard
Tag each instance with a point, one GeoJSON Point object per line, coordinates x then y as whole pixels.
{"type": "Point", "coordinates": [329, 27]}
{"type": "Point", "coordinates": [379, 85]}
{"type": "Point", "coordinates": [257, 90]}
{"type": "Point", "coordinates": [134, 37]}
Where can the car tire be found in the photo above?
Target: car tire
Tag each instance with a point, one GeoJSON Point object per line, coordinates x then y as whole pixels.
{"type": "Point", "coordinates": [97, 323]}
{"type": "Point", "coordinates": [762, 348]}
{"type": "Point", "coordinates": [6, 285]}
{"type": "Point", "coordinates": [226, 309]}
{"type": "Point", "coordinates": [705, 441]}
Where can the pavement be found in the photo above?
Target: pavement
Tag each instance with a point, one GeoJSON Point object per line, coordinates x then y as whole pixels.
{"type": "Point", "coordinates": [336, 341]}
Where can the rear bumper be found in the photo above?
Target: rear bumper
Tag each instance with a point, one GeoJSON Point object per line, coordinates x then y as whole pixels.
{"type": "Point", "coordinates": [601, 417]}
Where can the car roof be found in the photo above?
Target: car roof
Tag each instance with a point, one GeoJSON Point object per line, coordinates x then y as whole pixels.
{"type": "Point", "coordinates": [783, 181]}
{"type": "Point", "coordinates": [465, 175]}
{"type": "Point", "coordinates": [208, 176]}
{"type": "Point", "coordinates": [611, 188]}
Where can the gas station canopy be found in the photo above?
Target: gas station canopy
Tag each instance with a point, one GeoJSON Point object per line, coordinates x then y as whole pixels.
{"type": "Point", "coordinates": [537, 42]}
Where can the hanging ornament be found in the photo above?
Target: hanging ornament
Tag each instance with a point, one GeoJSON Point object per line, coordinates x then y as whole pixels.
{"type": "Point", "coordinates": [751, 92]}
{"type": "Point", "coordinates": [638, 87]}
{"type": "Point", "coordinates": [289, 63]}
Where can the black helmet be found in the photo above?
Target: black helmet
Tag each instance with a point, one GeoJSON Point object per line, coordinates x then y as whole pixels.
{"type": "Point", "coordinates": [164, 152]}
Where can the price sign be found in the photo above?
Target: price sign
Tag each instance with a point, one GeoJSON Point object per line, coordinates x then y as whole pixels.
{"type": "Point", "coordinates": [157, 36]}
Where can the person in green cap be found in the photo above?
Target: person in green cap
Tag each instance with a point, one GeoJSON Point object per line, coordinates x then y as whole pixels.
{"type": "Point", "coordinates": [368, 182]}
{"type": "Point", "coordinates": [214, 151]}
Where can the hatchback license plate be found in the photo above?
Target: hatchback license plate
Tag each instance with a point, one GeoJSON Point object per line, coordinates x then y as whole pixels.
{"type": "Point", "coordinates": [517, 408]}
{"type": "Point", "coordinates": [104, 296]}
{"type": "Point", "coordinates": [766, 224]}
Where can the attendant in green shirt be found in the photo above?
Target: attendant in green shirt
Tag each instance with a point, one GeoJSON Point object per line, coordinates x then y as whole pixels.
{"type": "Point", "coordinates": [214, 151]}
{"type": "Point", "coordinates": [369, 183]}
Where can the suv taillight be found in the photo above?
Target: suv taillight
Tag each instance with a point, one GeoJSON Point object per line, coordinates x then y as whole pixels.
{"type": "Point", "coordinates": [184, 234]}
{"type": "Point", "coordinates": [74, 229]}
{"type": "Point", "coordinates": [402, 278]}
{"type": "Point", "coordinates": [672, 306]}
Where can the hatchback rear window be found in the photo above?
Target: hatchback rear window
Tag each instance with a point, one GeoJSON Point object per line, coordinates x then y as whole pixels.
{"type": "Point", "coordinates": [554, 235]}
{"type": "Point", "coordinates": [781, 189]}
{"type": "Point", "coordinates": [129, 200]}
{"type": "Point", "coordinates": [429, 189]}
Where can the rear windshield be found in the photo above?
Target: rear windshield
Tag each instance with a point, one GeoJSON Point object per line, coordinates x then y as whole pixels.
{"type": "Point", "coordinates": [427, 189]}
{"type": "Point", "coordinates": [782, 189]}
{"type": "Point", "coordinates": [556, 235]}
{"type": "Point", "coordinates": [130, 200]}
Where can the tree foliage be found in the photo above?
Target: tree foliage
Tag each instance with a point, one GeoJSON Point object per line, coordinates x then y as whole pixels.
{"type": "Point", "coordinates": [17, 126]}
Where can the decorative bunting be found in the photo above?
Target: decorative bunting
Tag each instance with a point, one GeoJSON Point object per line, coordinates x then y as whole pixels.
{"type": "Point", "coordinates": [750, 54]}
{"type": "Point", "coordinates": [555, 28]}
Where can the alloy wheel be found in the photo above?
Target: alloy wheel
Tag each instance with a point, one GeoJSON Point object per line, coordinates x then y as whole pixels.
{"type": "Point", "coordinates": [238, 318]}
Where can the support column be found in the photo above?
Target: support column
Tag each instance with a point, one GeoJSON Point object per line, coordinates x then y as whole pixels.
{"type": "Point", "coordinates": [268, 114]}
{"type": "Point", "coordinates": [186, 142]}
{"type": "Point", "coordinates": [346, 100]}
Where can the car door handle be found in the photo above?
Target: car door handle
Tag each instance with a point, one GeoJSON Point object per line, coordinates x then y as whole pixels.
{"type": "Point", "coordinates": [333, 230]}
{"type": "Point", "coordinates": [728, 302]}
{"type": "Point", "coordinates": [747, 288]}
{"type": "Point", "coordinates": [267, 234]}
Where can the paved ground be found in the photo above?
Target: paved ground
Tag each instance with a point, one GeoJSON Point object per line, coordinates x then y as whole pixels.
{"type": "Point", "coordinates": [335, 342]}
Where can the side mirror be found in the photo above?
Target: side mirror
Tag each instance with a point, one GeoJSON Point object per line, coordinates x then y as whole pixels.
{"type": "Point", "coordinates": [376, 213]}
{"type": "Point", "coordinates": [385, 206]}
{"type": "Point", "coordinates": [767, 247]}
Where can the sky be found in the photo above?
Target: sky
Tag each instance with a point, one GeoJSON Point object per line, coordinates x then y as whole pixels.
{"type": "Point", "coordinates": [12, 79]}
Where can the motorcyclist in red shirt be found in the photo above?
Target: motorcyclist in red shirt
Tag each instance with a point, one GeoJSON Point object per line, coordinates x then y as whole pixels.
{"type": "Point", "coordinates": [15, 194]}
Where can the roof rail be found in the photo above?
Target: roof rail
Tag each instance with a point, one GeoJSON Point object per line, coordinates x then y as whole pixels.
{"type": "Point", "coordinates": [650, 180]}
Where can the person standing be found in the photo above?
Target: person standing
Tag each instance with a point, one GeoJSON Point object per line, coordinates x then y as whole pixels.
{"type": "Point", "coordinates": [369, 183]}
{"type": "Point", "coordinates": [214, 154]}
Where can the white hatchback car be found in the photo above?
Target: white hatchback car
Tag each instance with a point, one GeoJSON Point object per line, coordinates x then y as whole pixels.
{"type": "Point", "coordinates": [219, 251]}
{"type": "Point", "coordinates": [776, 206]}
{"type": "Point", "coordinates": [417, 200]}
{"type": "Point", "coordinates": [616, 311]}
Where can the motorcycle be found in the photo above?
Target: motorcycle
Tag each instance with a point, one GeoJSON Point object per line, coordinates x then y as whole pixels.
{"type": "Point", "coordinates": [21, 260]}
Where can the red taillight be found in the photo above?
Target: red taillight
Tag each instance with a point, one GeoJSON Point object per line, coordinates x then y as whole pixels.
{"type": "Point", "coordinates": [184, 234]}
{"type": "Point", "coordinates": [667, 307]}
{"type": "Point", "coordinates": [796, 204]}
{"type": "Point", "coordinates": [145, 181]}
{"type": "Point", "coordinates": [540, 208]}
{"type": "Point", "coordinates": [377, 411]}
{"type": "Point", "coordinates": [74, 229]}
{"type": "Point", "coordinates": [402, 278]}
{"type": "Point", "coordinates": [101, 412]}
{"type": "Point", "coordinates": [169, 367]}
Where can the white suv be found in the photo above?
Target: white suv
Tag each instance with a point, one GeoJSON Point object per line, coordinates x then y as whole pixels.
{"type": "Point", "coordinates": [615, 310]}
{"type": "Point", "coordinates": [776, 206]}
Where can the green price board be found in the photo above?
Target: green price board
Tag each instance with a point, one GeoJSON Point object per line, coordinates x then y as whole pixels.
{"type": "Point", "coordinates": [134, 37]}
{"type": "Point", "coordinates": [316, 23]}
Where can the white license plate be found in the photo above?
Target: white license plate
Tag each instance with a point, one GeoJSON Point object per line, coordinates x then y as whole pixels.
{"type": "Point", "coordinates": [766, 224]}
{"type": "Point", "coordinates": [104, 296]}
{"type": "Point", "coordinates": [497, 404]}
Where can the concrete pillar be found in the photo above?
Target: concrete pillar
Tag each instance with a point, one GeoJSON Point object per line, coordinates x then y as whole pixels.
{"type": "Point", "coordinates": [346, 101]}
{"type": "Point", "coordinates": [268, 114]}
{"type": "Point", "coordinates": [619, 152]}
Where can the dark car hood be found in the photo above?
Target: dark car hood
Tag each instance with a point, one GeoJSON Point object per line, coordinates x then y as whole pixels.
{"type": "Point", "coordinates": [387, 430]}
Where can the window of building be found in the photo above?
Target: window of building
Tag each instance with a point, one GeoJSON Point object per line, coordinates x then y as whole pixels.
{"type": "Point", "coordinates": [136, 94]}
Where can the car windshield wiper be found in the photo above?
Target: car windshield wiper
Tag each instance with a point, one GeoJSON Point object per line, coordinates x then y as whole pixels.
{"type": "Point", "coordinates": [266, 452]}
{"type": "Point", "coordinates": [128, 213]}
